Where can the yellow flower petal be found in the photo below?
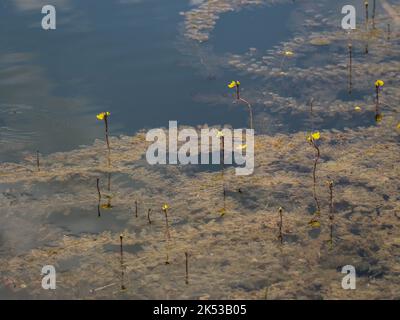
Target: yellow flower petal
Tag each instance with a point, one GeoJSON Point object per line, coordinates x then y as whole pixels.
{"type": "Point", "coordinates": [378, 117]}
{"type": "Point", "coordinates": [102, 115]}
{"type": "Point", "coordinates": [232, 84]}
{"type": "Point", "coordinates": [357, 108]}
{"type": "Point", "coordinates": [165, 207]}
{"type": "Point", "coordinates": [314, 223]}
{"type": "Point", "coordinates": [379, 83]}
{"type": "Point", "coordinates": [289, 53]}
{"type": "Point", "coordinates": [316, 135]}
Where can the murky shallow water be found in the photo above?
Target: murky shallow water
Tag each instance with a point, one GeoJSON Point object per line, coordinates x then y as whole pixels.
{"type": "Point", "coordinates": [147, 67]}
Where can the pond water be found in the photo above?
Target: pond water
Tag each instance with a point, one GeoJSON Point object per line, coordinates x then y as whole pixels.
{"type": "Point", "coordinates": [152, 61]}
{"type": "Point", "coordinates": [119, 56]}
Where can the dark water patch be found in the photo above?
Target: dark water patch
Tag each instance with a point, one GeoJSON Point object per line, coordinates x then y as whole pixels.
{"type": "Point", "coordinates": [355, 230]}
{"type": "Point", "coordinates": [236, 32]}
{"type": "Point", "coordinates": [311, 208]}
{"type": "Point", "coordinates": [342, 206]}
{"type": "Point", "coordinates": [289, 166]}
{"type": "Point", "coordinates": [370, 270]}
{"type": "Point", "coordinates": [251, 285]}
{"type": "Point", "coordinates": [314, 233]}
{"type": "Point", "coordinates": [346, 182]}
{"type": "Point", "coordinates": [290, 238]}
{"type": "Point", "coordinates": [77, 221]}
{"type": "Point", "coordinates": [245, 197]}
{"type": "Point", "coordinates": [7, 293]}
{"type": "Point", "coordinates": [68, 264]}
{"type": "Point", "coordinates": [131, 248]}
{"type": "Point", "coordinates": [355, 95]}
{"type": "Point", "coordinates": [126, 181]}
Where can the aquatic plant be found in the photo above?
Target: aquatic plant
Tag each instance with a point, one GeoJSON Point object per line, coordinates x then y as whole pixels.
{"type": "Point", "coordinates": [121, 236]}
{"type": "Point", "coordinates": [373, 13]}
{"type": "Point", "coordinates": [280, 224]}
{"type": "Point", "coordinates": [148, 215]}
{"type": "Point", "coordinates": [314, 223]}
{"type": "Point", "coordinates": [350, 47]}
{"type": "Point", "coordinates": [236, 85]}
{"type": "Point", "coordinates": [99, 195]}
{"type": "Point", "coordinates": [165, 208]}
{"type": "Point", "coordinates": [136, 208]}
{"type": "Point", "coordinates": [187, 267]}
{"type": "Point", "coordinates": [378, 87]}
{"type": "Point", "coordinates": [312, 139]}
{"type": "Point", "coordinates": [38, 160]}
{"type": "Point", "coordinates": [330, 185]}
{"type": "Point", "coordinates": [366, 26]}
{"type": "Point", "coordinates": [103, 116]}
{"type": "Point", "coordinates": [107, 205]}
{"type": "Point", "coordinates": [286, 54]}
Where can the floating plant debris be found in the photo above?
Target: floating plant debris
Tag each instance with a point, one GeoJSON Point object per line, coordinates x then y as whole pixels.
{"type": "Point", "coordinates": [319, 157]}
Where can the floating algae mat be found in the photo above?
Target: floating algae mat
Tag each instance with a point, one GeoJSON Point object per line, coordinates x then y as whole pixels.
{"type": "Point", "coordinates": [79, 194]}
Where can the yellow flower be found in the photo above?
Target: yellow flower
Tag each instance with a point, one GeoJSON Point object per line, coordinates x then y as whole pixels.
{"type": "Point", "coordinates": [378, 117]}
{"type": "Point", "coordinates": [314, 136]}
{"type": "Point", "coordinates": [233, 84]}
{"type": "Point", "coordinates": [398, 126]}
{"type": "Point", "coordinates": [106, 206]}
{"type": "Point", "coordinates": [289, 53]}
{"type": "Point", "coordinates": [102, 115]}
{"type": "Point", "coordinates": [379, 83]}
{"type": "Point", "coordinates": [314, 223]}
{"type": "Point", "coordinates": [165, 207]}
{"type": "Point", "coordinates": [220, 134]}
{"type": "Point", "coordinates": [357, 108]}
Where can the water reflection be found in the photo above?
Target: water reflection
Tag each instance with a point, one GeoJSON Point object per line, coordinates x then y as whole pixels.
{"type": "Point", "coordinates": [67, 77]}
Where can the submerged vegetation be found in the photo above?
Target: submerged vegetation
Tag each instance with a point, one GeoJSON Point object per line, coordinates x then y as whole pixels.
{"type": "Point", "coordinates": [236, 85]}
{"type": "Point", "coordinates": [353, 177]}
{"type": "Point", "coordinates": [103, 116]}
